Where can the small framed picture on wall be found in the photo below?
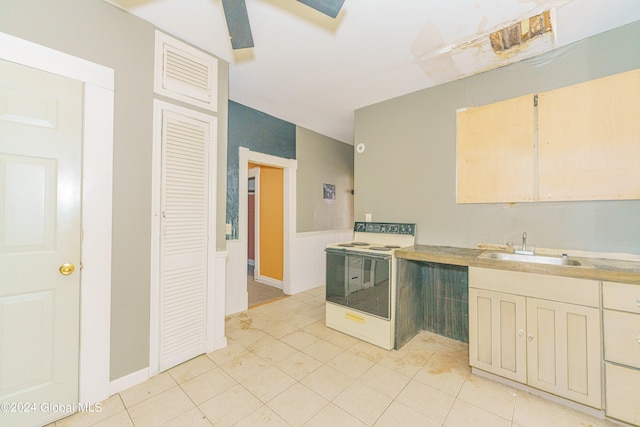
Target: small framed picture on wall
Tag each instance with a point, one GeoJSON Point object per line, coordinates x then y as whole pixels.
{"type": "Point", "coordinates": [329, 191]}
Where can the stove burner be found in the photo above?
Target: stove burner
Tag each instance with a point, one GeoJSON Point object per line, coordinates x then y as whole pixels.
{"type": "Point", "coordinates": [392, 246]}
{"type": "Point", "coordinates": [352, 244]}
{"type": "Point", "coordinates": [380, 248]}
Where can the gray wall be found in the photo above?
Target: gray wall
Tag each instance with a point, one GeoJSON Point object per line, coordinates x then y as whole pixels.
{"type": "Point", "coordinates": [323, 160]}
{"type": "Point", "coordinates": [104, 34]}
{"type": "Point", "coordinates": [101, 33]}
{"type": "Point", "coordinates": [408, 174]}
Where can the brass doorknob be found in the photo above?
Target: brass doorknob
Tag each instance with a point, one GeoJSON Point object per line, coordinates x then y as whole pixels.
{"type": "Point", "coordinates": [67, 268]}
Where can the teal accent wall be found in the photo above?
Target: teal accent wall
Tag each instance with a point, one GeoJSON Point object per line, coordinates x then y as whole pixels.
{"type": "Point", "coordinates": [258, 132]}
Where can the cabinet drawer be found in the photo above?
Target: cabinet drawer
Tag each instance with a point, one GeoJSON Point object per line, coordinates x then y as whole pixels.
{"type": "Point", "coordinates": [622, 391]}
{"type": "Point", "coordinates": [621, 296]}
{"type": "Point", "coordinates": [622, 338]}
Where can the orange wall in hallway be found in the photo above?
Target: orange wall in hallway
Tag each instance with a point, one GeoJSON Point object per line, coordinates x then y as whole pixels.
{"type": "Point", "coordinates": [271, 221]}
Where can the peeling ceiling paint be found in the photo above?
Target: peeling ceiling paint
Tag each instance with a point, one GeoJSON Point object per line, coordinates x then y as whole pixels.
{"type": "Point", "coordinates": [315, 71]}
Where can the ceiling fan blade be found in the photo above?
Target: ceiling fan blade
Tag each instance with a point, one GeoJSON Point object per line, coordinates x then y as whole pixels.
{"type": "Point", "coordinates": [328, 7]}
{"type": "Point", "coordinates": [235, 12]}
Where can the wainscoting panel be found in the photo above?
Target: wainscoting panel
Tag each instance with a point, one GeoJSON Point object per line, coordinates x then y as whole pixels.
{"type": "Point", "coordinates": [236, 297]}
{"type": "Point", "coordinates": [308, 265]}
{"type": "Point", "coordinates": [216, 338]}
{"type": "Point", "coordinates": [309, 261]}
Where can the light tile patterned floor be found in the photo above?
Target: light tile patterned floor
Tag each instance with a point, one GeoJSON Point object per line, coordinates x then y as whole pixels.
{"type": "Point", "coordinates": [283, 367]}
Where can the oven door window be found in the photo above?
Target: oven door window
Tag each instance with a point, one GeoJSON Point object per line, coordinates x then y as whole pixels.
{"type": "Point", "coordinates": [358, 282]}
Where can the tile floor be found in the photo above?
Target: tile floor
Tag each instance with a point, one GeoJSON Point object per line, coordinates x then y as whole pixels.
{"type": "Point", "coordinates": [283, 367]}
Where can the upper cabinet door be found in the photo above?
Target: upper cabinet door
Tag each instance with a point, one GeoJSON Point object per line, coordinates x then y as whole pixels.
{"type": "Point", "coordinates": [589, 140]}
{"type": "Point", "coordinates": [496, 152]}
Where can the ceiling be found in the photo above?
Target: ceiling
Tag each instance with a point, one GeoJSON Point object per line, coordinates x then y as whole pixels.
{"type": "Point", "coordinates": [315, 71]}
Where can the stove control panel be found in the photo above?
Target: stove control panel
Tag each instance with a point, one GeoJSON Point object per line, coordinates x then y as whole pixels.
{"type": "Point", "coordinates": [385, 227]}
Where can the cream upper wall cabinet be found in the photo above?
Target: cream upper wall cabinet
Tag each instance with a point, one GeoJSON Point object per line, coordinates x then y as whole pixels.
{"type": "Point", "coordinates": [589, 140]}
{"type": "Point", "coordinates": [185, 73]}
{"type": "Point", "coordinates": [495, 157]}
{"type": "Point", "coordinates": [580, 142]}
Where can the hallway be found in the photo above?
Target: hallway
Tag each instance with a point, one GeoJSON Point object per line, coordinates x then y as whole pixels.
{"type": "Point", "coordinates": [259, 293]}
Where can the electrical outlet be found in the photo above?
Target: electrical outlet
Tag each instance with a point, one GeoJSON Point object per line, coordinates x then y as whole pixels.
{"type": "Point", "coordinates": [228, 229]}
{"type": "Point", "coordinates": [367, 217]}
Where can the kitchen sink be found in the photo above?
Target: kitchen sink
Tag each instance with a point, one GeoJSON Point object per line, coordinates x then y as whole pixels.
{"type": "Point", "coordinates": [536, 259]}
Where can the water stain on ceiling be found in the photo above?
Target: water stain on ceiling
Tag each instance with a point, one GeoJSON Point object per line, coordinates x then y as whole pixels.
{"type": "Point", "coordinates": [315, 72]}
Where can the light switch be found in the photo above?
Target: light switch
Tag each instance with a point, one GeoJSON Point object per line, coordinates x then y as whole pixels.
{"type": "Point", "coordinates": [228, 229]}
{"type": "Point", "coordinates": [367, 217]}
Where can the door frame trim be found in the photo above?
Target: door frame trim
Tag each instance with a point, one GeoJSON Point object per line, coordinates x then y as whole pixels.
{"type": "Point", "coordinates": [255, 173]}
{"type": "Point", "coordinates": [97, 173]}
{"type": "Point", "coordinates": [289, 166]}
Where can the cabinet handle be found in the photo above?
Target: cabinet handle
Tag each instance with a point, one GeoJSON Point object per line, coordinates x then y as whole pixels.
{"type": "Point", "coordinates": [638, 302]}
{"type": "Point", "coordinates": [521, 332]}
{"type": "Point", "coordinates": [638, 339]}
{"type": "Point", "coordinates": [530, 337]}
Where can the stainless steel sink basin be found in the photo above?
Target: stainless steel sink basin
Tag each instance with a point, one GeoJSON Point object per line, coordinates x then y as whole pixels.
{"type": "Point", "coordinates": [537, 259]}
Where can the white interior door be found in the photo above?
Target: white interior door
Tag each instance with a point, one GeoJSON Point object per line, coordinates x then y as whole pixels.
{"type": "Point", "coordinates": [185, 230]}
{"type": "Point", "coordinates": [40, 223]}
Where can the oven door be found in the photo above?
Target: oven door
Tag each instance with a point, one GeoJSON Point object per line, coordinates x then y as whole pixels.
{"type": "Point", "coordinates": [359, 281]}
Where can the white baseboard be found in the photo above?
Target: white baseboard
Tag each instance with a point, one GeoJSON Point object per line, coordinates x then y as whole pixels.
{"type": "Point", "coordinates": [128, 381]}
{"type": "Point", "coordinates": [219, 343]}
{"type": "Point", "coordinates": [269, 281]}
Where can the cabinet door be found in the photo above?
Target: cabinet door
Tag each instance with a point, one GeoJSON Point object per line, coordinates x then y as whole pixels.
{"type": "Point", "coordinates": [563, 350]}
{"type": "Point", "coordinates": [496, 333]}
{"type": "Point", "coordinates": [588, 140]}
{"type": "Point", "coordinates": [495, 152]}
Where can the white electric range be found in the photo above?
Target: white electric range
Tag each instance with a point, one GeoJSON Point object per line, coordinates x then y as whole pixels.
{"type": "Point", "coordinates": [360, 281]}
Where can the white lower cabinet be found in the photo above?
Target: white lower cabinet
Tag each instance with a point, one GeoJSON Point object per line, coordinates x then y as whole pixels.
{"type": "Point", "coordinates": [497, 324]}
{"type": "Point", "coordinates": [563, 350]}
{"type": "Point", "coordinates": [543, 331]}
{"type": "Point", "coordinates": [621, 317]}
{"type": "Point", "coordinates": [622, 391]}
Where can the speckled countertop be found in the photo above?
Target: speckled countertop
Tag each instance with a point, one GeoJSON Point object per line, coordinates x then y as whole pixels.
{"type": "Point", "coordinates": [614, 270]}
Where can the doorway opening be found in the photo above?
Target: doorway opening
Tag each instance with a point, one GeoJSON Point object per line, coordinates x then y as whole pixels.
{"type": "Point", "coordinates": [265, 234]}
{"type": "Point", "coordinates": [239, 297]}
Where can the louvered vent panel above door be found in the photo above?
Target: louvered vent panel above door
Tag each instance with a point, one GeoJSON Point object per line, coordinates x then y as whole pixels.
{"type": "Point", "coordinates": [184, 237]}
{"type": "Point", "coordinates": [185, 73]}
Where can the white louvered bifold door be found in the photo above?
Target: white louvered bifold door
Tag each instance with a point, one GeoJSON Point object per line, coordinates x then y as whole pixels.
{"type": "Point", "coordinates": [184, 236]}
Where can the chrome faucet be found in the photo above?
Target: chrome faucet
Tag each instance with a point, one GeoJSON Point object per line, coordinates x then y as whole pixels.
{"type": "Point", "coordinates": [524, 250]}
